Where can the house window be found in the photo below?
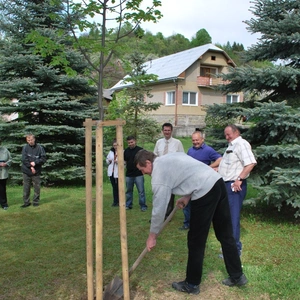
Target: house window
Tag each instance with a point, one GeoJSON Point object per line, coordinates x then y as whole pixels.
{"type": "Point", "coordinates": [189, 98]}
{"type": "Point", "coordinates": [170, 99]}
{"type": "Point", "coordinates": [232, 98]}
{"type": "Point", "coordinates": [213, 57]}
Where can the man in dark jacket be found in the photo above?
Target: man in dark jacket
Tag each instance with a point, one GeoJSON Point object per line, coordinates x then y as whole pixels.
{"type": "Point", "coordinates": [33, 157]}
{"type": "Point", "coordinates": [133, 175]}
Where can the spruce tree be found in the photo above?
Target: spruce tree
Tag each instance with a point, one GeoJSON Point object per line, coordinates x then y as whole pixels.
{"type": "Point", "coordinates": [47, 102]}
{"type": "Point", "coordinates": [273, 126]}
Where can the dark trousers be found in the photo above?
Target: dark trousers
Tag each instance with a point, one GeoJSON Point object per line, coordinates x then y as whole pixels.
{"type": "Point", "coordinates": [170, 205]}
{"type": "Point", "coordinates": [36, 182]}
{"type": "Point", "coordinates": [211, 208]}
{"type": "Point", "coordinates": [3, 196]}
{"type": "Point", "coordinates": [115, 187]}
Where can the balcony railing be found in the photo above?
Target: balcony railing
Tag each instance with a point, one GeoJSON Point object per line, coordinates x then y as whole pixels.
{"type": "Point", "coordinates": [210, 81]}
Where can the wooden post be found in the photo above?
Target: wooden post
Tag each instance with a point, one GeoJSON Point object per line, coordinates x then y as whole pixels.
{"type": "Point", "coordinates": [122, 208]}
{"type": "Point", "coordinates": [89, 209]}
{"type": "Point", "coordinates": [99, 207]}
{"type": "Point", "coordinates": [99, 211]}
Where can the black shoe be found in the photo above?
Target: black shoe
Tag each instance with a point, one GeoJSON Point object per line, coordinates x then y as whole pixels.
{"type": "Point", "coordinates": [128, 207]}
{"type": "Point", "coordinates": [25, 205]}
{"type": "Point", "coordinates": [183, 286]}
{"type": "Point", "coordinates": [35, 204]}
{"type": "Point", "coordinates": [115, 204]}
{"type": "Point", "coordinates": [184, 227]}
{"type": "Point", "coordinates": [235, 282]}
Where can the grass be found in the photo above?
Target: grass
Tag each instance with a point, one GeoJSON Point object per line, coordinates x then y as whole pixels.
{"type": "Point", "coordinates": [43, 252]}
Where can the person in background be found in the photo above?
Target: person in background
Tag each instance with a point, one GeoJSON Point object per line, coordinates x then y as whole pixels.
{"type": "Point", "coordinates": [166, 145]}
{"type": "Point", "coordinates": [33, 157]}
{"type": "Point", "coordinates": [5, 163]}
{"type": "Point", "coordinates": [112, 172]}
{"type": "Point", "coordinates": [205, 154]}
{"type": "Point", "coordinates": [133, 175]}
{"type": "Point", "coordinates": [236, 165]}
{"type": "Point", "coordinates": [205, 188]}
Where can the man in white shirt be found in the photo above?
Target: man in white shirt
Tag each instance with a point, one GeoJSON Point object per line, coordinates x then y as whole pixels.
{"type": "Point", "coordinates": [166, 145]}
{"type": "Point", "coordinates": [236, 165]}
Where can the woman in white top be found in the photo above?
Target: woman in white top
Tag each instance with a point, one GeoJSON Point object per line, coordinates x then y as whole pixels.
{"type": "Point", "coordinates": [5, 162]}
{"type": "Point", "coordinates": [112, 172]}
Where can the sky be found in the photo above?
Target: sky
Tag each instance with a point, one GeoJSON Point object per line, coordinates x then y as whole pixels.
{"type": "Point", "coordinates": [222, 19]}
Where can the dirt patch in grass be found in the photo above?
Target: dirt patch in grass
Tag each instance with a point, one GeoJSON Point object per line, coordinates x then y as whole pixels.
{"type": "Point", "coordinates": [211, 289]}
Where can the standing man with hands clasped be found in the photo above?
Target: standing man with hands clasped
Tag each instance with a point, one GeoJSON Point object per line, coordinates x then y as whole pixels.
{"type": "Point", "coordinates": [33, 157]}
{"type": "Point", "coordinates": [180, 174]}
{"type": "Point", "coordinates": [236, 165]}
{"type": "Point", "coordinates": [164, 146]}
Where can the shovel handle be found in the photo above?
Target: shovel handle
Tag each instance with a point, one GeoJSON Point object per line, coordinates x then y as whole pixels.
{"type": "Point", "coordinates": [137, 262]}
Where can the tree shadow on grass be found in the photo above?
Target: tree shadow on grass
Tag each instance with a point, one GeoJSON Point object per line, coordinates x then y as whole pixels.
{"type": "Point", "coordinates": [267, 213]}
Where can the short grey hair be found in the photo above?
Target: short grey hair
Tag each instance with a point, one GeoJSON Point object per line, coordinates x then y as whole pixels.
{"type": "Point", "coordinates": [201, 132]}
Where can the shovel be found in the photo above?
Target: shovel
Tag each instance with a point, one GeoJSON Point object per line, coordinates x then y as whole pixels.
{"type": "Point", "coordinates": [114, 290]}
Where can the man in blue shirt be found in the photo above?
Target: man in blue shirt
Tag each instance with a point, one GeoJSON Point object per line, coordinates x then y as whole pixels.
{"type": "Point", "coordinates": [205, 154]}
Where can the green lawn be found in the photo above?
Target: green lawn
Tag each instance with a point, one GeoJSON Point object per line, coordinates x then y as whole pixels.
{"type": "Point", "coordinates": [43, 252]}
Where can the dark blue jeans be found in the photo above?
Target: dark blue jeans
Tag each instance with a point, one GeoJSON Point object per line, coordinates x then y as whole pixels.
{"type": "Point", "coordinates": [139, 182]}
{"type": "Point", "coordinates": [36, 182]}
{"type": "Point", "coordinates": [235, 203]}
{"type": "Point", "coordinates": [187, 215]}
{"type": "Point", "coordinates": [211, 208]}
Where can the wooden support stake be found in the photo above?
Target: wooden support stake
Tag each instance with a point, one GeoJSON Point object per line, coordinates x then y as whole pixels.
{"type": "Point", "coordinates": [89, 208]}
{"type": "Point", "coordinates": [89, 123]}
{"type": "Point", "coordinates": [122, 208]}
{"type": "Point", "coordinates": [99, 211]}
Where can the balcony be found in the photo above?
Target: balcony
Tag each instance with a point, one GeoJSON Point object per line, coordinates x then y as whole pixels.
{"type": "Point", "coordinates": [210, 81]}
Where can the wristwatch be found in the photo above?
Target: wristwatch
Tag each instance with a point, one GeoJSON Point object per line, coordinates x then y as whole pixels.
{"type": "Point", "coordinates": [240, 179]}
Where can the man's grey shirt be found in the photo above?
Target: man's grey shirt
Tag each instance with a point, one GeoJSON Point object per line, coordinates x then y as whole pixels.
{"type": "Point", "coordinates": [179, 174]}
